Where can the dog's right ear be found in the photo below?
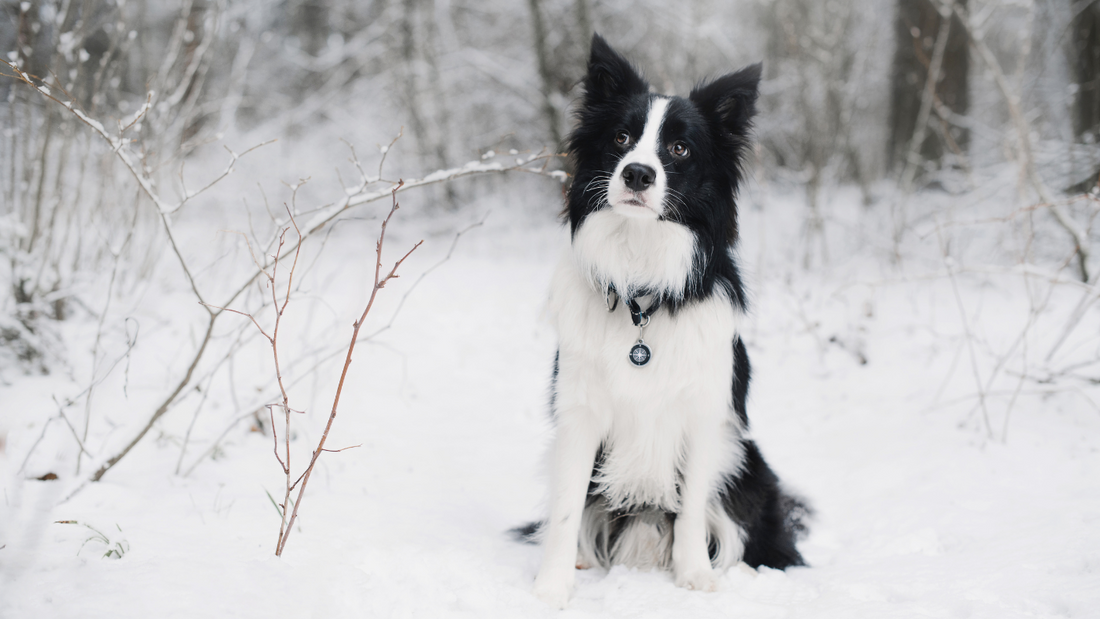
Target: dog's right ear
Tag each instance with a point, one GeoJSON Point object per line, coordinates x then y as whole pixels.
{"type": "Point", "coordinates": [610, 75]}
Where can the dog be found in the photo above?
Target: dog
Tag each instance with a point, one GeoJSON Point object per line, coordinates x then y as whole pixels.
{"type": "Point", "coordinates": [652, 465]}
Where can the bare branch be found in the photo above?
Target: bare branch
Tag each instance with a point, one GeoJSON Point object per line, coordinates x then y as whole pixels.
{"type": "Point", "coordinates": [275, 439]}
{"type": "Point", "coordinates": [336, 451]}
{"type": "Point", "coordinates": [76, 435]}
{"type": "Point", "coordinates": [245, 314]}
{"type": "Point", "coordinates": [533, 164]}
{"type": "Point", "coordinates": [379, 283]}
{"type": "Point", "coordinates": [233, 157]}
{"type": "Point", "coordinates": [950, 264]}
{"type": "Point", "coordinates": [386, 151]}
{"type": "Point", "coordinates": [163, 408]}
{"type": "Point", "coordinates": [410, 289]}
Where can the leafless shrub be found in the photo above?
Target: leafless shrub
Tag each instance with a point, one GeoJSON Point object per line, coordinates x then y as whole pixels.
{"type": "Point", "coordinates": [368, 188]}
{"type": "Point", "coordinates": [59, 182]}
{"type": "Point", "coordinates": [286, 526]}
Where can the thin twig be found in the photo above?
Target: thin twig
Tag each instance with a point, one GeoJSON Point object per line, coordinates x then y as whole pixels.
{"type": "Point", "coordinates": [950, 264]}
{"type": "Point", "coordinates": [411, 288]}
{"type": "Point", "coordinates": [76, 435]}
{"type": "Point", "coordinates": [379, 283]}
{"type": "Point", "coordinates": [336, 451]}
{"type": "Point", "coordinates": [275, 354]}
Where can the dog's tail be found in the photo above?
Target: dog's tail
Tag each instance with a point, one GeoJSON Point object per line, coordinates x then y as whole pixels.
{"type": "Point", "coordinates": [528, 533]}
{"type": "Point", "coordinates": [796, 514]}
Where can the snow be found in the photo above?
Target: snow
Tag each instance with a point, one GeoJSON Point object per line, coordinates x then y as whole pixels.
{"type": "Point", "coordinates": [919, 511]}
{"type": "Point", "coordinates": [145, 107]}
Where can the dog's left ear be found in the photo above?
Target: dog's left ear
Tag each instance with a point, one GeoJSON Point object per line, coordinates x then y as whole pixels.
{"type": "Point", "coordinates": [730, 99]}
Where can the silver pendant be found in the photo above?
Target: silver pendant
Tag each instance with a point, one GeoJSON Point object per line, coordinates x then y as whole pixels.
{"type": "Point", "coordinates": [640, 354]}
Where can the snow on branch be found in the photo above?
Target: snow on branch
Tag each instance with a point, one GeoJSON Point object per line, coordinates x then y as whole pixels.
{"type": "Point", "coordinates": [369, 188]}
{"type": "Point", "coordinates": [119, 143]}
{"type": "Point", "coordinates": [363, 194]}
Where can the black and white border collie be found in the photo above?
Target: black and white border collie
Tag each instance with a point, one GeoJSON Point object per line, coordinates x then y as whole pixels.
{"type": "Point", "coordinates": [652, 464]}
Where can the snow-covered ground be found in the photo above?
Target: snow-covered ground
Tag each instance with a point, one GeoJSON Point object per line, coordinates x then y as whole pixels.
{"type": "Point", "coordinates": [919, 511]}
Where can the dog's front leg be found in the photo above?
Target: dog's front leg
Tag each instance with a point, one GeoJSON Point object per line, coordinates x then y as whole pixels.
{"type": "Point", "coordinates": [690, 557]}
{"type": "Point", "coordinates": [573, 455]}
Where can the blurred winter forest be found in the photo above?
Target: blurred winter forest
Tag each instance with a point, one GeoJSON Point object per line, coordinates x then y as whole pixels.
{"type": "Point", "coordinates": [957, 137]}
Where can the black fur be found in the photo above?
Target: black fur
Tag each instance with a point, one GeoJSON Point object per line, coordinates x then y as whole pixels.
{"type": "Point", "coordinates": [771, 519]}
{"type": "Point", "coordinates": [742, 372]}
{"type": "Point", "coordinates": [554, 384]}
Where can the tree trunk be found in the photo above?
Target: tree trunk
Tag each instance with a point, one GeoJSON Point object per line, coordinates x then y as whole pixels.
{"type": "Point", "coordinates": [1085, 67]}
{"type": "Point", "coordinates": [543, 55]}
{"type": "Point", "coordinates": [410, 81]}
{"type": "Point", "coordinates": [584, 23]}
{"type": "Point", "coordinates": [916, 25]}
{"type": "Point", "coordinates": [310, 25]}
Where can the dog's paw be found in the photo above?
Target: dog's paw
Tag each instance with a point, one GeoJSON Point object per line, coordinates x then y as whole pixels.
{"type": "Point", "coordinates": [553, 592]}
{"type": "Point", "coordinates": [698, 580]}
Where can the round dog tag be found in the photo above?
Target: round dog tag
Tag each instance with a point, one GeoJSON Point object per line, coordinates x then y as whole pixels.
{"type": "Point", "coordinates": [640, 354]}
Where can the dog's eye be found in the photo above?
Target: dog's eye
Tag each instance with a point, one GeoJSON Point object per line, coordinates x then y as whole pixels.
{"type": "Point", "coordinates": [679, 149]}
{"type": "Point", "coordinates": [622, 138]}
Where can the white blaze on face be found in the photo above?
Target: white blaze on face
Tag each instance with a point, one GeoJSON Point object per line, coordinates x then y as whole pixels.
{"type": "Point", "coordinates": [648, 203]}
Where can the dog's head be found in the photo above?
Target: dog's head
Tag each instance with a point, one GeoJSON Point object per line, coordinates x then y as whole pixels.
{"type": "Point", "coordinates": [648, 156]}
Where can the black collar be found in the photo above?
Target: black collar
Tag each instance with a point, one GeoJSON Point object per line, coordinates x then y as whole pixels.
{"type": "Point", "coordinates": [638, 316]}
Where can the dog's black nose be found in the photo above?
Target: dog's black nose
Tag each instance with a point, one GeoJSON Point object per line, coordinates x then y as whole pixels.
{"type": "Point", "coordinates": [638, 177]}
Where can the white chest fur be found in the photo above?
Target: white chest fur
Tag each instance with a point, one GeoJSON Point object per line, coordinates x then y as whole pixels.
{"type": "Point", "coordinates": [633, 253]}
{"type": "Point", "coordinates": [647, 416]}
